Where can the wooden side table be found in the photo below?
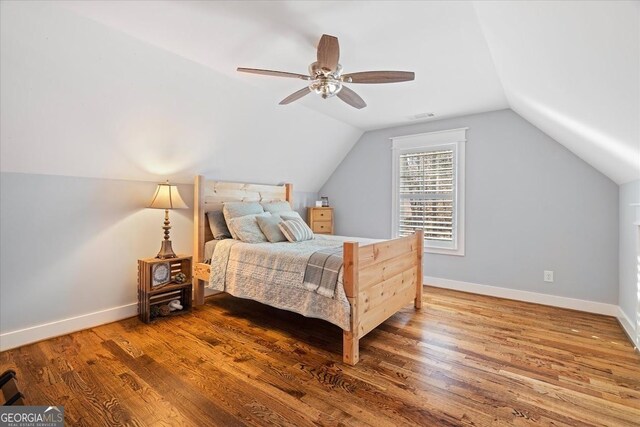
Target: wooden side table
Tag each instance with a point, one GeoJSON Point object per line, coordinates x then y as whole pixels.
{"type": "Point", "coordinates": [153, 300]}
{"type": "Point", "coordinates": [320, 220]}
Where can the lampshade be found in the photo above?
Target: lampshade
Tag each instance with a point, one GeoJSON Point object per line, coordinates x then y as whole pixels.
{"type": "Point", "coordinates": [167, 197]}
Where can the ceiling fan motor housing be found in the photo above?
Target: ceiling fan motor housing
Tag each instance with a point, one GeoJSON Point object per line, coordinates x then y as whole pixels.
{"type": "Point", "coordinates": [325, 82]}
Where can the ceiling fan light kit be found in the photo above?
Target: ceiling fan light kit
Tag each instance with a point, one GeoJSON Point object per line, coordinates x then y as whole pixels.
{"type": "Point", "coordinates": [326, 78]}
{"type": "Point", "coordinates": [325, 84]}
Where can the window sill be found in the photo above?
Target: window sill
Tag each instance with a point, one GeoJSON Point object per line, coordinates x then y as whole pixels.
{"type": "Point", "coordinates": [444, 251]}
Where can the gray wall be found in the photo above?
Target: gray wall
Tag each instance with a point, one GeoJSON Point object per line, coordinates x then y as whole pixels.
{"type": "Point", "coordinates": [628, 298]}
{"type": "Point", "coordinates": [531, 205]}
{"type": "Point", "coordinates": [69, 245]}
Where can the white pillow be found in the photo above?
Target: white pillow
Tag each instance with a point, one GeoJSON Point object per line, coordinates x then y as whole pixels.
{"type": "Point", "coordinates": [289, 215]}
{"type": "Point", "coordinates": [270, 228]}
{"type": "Point", "coordinates": [246, 228]}
{"type": "Point", "coordinates": [276, 207]}
{"type": "Point", "coordinates": [233, 210]}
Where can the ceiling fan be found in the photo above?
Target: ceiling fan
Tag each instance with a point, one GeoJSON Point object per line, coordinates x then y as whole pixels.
{"type": "Point", "coordinates": [326, 78]}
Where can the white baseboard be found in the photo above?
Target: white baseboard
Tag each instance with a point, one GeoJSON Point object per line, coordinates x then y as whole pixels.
{"type": "Point", "coordinates": [515, 294]}
{"type": "Point", "coordinates": [628, 327]}
{"type": "Point", "coordinates": [36, 333]}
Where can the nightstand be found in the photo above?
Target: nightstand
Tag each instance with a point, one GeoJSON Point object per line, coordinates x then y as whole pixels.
{"type": "Point", "coordinates": [159, 283]}
{"type": "Point", "coordinates": [320, 220]}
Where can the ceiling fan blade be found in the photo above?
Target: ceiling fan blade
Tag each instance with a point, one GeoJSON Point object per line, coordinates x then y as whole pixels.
{"type": "Point", "coordinates": [328, 52]}
{"type": "Point", "coordinates": [295, 96]}
{"type": "Point", "coordinates": [273, 73]}
{"type": "Point", "coordinates": [379, 77]}
{"type": "Point", "coordinates": [351, 98]}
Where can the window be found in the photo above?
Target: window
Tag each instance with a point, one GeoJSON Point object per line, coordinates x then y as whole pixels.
{"type": "Point", "coordinates": [428, 189]}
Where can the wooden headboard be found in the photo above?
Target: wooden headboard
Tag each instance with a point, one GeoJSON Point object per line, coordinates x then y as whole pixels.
{"type": "Point", "coordinates": [210, 196]}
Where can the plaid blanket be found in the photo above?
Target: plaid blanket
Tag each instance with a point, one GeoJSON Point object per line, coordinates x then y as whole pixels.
{"type": "Point", "coordinates": [323, 269]}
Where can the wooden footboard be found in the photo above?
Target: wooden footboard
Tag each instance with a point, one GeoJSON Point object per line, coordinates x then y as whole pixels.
{"type": "Point", "coordinates": [379, 280]}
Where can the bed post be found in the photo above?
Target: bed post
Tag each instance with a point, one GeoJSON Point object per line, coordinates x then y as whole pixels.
{"type": "Point", "coordinates": [420, 278]}
{"type": "Point", "coordinates": [350, 339]}
{"type": "Point", "coordinates": [198, 236]}
{"type": "Point", "coordinates": [288, 194]}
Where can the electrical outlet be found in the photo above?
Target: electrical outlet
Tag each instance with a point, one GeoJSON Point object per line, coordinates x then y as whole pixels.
{"type": "Point", "coordinates": [548, 276]}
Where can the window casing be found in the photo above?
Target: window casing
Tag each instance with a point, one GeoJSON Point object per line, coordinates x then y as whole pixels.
{"type": "Point", "coordinates": [428, 189]}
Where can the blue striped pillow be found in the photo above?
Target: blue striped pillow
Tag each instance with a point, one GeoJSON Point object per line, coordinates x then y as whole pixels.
{"type": "Point", "coordinates": [295, 230]}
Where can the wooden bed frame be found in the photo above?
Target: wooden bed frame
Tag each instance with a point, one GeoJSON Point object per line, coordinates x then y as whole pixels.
{"type": "Point", "coordinates": [379, 279]}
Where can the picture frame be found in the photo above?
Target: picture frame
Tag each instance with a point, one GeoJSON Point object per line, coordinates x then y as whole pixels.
{"type": "Point", "coordinates": [160, 274]}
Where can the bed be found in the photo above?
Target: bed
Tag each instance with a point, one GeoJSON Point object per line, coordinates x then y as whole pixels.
{"type": "Point", "coordinates": [376, 280]}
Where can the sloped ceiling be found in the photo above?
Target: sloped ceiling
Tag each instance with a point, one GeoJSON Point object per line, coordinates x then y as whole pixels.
{"type": "Point", "coordinates": [173, 104]}
{"type": "Point", "coordinates": [572, 69]}
{"type": "Point", "coordinates": [80, 99]}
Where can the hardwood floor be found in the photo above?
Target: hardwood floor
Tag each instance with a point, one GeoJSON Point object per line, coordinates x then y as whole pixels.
{"type": "Point", "coordinates": [463, 360]}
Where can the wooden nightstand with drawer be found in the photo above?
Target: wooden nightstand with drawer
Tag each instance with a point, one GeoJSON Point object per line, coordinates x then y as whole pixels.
{"type": "Point", "coordinates": [320, 220]}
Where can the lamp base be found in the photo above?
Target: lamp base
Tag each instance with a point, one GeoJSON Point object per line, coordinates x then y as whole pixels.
{"type": "Point", "coordinates": [166, 251]}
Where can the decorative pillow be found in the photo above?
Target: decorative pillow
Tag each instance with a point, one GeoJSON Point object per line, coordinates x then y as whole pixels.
{"type": "Point", "coordinates": [295, 230]}
{"type": "Point", "coordinates": [276, 207]}
{"type": "Point", "coordinates": [233, 210]}
{"type": "Point", "coordinates": [269, 226]}
{"type": "Point", "coordinates": [247, 229]}
{"type": "Point", "coordinates": [218, 225]}
{"type": "Point", "coordinates": [289, 215]}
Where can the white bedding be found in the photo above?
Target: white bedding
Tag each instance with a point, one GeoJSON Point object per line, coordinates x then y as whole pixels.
{"type": "Point", "coordinates": [273, 274]}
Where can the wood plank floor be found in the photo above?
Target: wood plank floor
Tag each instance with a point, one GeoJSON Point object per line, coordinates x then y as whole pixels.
{"type": "Point", "coordinates": [463, 360]}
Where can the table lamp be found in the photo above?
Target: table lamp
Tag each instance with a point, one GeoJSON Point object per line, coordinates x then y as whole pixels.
{"type": "Point", "coordinates": [167, 197]}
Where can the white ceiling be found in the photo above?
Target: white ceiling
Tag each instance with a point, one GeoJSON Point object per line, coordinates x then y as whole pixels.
{"type": "Point", "coordinates": [440, 41]}
{"type": "Point", "coordinates": [570, 68]}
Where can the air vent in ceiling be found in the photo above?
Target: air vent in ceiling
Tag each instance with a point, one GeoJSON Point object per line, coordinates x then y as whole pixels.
{"type": "Point", "coordinates": [422, 116]}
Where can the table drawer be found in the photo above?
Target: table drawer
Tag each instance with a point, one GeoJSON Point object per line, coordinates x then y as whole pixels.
{"type": "Point", "coordinates": [322, 215]}
{"type": "Point", "coordinates": [322, 227]}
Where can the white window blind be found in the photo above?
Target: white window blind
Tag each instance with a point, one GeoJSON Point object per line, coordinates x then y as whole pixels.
{"type": "Point", "coordinates": [426, 190]}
